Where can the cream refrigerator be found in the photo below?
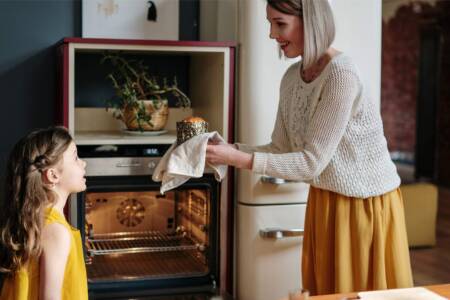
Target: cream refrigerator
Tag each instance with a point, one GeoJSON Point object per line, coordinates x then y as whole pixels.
{"type": "Point", "coordinates": [270, 211]}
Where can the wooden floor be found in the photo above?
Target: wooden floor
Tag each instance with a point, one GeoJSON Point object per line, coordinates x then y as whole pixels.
{"type": "Point", "coordinates": [432, 265]}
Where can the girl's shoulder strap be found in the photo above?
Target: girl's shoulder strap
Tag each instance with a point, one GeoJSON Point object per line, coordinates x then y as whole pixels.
{"type": "Point", "coordinates": [53, 216]}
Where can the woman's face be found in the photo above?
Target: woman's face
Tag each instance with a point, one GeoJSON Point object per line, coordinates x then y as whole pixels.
{"type": "Point", "coordinates": [287, 30]}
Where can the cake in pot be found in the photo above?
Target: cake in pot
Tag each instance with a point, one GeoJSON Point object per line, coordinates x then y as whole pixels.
{"type": "Point", "coordinates": [190, 127]}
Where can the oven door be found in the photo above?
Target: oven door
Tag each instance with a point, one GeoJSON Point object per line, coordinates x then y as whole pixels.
{"type": "Point", "coordinates": [138, 242]}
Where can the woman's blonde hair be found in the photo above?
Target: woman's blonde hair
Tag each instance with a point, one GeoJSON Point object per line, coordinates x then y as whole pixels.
{"type": "Point", "coordinates": [27, 195]}
{"type": "Point", "coordinates": [318, 25]}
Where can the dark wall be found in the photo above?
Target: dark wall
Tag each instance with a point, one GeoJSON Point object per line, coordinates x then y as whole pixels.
{"type": "Point", "coordinates": [29, 30]}
{"type": "Point", "coordinates": [93, 88]}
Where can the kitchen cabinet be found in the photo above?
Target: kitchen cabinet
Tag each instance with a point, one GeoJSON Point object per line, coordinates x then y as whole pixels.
{"type": "Point", "coordinates": [207, 71]}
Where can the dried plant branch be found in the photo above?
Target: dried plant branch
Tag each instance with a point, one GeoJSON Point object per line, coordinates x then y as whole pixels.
{"type": "Point", "coordinates": [132, 82]}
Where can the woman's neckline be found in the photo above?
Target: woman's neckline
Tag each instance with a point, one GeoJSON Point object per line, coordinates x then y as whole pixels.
{"type": "Point", "coordinates": [324, 71]}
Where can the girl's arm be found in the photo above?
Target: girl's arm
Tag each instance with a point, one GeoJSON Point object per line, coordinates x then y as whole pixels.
{"type": "Point", "coordinates": [55, 251]}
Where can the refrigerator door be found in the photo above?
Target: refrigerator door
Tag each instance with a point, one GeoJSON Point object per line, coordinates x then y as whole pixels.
{"type": "Point", "coordinates": [269, 244]}
{"type": "Point", "coordinates": [260, 71]}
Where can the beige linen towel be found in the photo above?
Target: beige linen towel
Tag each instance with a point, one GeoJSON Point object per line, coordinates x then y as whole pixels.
{"type": "Point", "coordinates": [416, 293]}
{"type": "Point", "coordinates": [187, 160]}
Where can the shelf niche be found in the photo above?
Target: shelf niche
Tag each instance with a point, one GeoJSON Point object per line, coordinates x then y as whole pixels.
{"type": "Point", "coordinates": [205, 71]}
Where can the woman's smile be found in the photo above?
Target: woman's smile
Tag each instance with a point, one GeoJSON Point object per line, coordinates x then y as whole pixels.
{"type": "Point", "coordinates": [283, 45]}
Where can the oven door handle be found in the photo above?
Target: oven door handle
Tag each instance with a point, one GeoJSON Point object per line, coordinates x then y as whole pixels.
{"type": "Point", "coordinates": [128, 165]}
{"type": "Point", "coordinates": [278, 233]}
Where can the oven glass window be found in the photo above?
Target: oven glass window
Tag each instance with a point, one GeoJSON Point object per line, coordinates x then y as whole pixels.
{"type": "Point", "coordinates": [143, 234]}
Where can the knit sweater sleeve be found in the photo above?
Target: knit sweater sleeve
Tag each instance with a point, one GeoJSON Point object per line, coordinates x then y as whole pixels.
{"type": "Point", "coordinates": [279, 141]}
{"type": "Point", "coordinates": [323, 135]}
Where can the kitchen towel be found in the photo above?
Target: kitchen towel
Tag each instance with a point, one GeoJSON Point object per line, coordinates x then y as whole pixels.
{"type": "Point", "coordinates": [187, 160]}
{"type": "Point", "coordinates": [416, 293]}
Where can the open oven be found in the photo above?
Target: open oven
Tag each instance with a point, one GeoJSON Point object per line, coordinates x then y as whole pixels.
{"type": "Point", "coordinates": [139, 242]}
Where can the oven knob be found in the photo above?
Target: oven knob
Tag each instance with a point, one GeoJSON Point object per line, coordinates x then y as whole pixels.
{"type": "Point", "coordinates": [151, 165]}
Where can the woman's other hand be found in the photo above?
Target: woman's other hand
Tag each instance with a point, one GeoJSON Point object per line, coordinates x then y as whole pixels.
{"type": "Point", "coordinates": [227, 154]}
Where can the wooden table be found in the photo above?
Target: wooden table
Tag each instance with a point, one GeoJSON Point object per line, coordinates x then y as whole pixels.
{"type": "Point", "coordinates": [442, 289]}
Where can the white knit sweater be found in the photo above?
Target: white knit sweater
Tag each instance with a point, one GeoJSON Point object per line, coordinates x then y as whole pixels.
{"type": "Point", "coordinates": [329, 134]}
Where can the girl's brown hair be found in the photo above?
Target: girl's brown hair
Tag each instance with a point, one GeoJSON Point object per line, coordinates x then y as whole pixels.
{"type": "Point", "coordinates": [27, 195]}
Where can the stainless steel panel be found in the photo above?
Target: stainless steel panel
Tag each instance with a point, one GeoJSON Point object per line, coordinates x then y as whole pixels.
{"type": "Point", "coordinates": [124, 166]}
{"type": "Point", "coordinates": [120, 166]}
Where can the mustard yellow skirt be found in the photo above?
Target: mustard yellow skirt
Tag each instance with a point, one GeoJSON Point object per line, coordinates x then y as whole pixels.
{"type": "Point", "coordinates": [354, 244]}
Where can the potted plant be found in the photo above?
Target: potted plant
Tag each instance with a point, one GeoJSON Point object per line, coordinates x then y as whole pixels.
{"type": "Point", "coordinates": [140, 100]}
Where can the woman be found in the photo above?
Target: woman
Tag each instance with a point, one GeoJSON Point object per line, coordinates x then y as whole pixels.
{"type": "Point", "coordinates": [329, 133]}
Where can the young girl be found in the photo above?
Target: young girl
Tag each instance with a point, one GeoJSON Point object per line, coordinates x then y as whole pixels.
{"type": "Point", "coordinates": [41, 255]}
{"type": "Point", "coordinates": [329, 133]}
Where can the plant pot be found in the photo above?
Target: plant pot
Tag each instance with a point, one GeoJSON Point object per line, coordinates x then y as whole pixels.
{"type": "Point", "coordinates": [146, 115]}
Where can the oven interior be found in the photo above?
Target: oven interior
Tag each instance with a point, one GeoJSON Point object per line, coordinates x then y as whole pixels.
{"type": "Point", "coordinates": [135, 233]}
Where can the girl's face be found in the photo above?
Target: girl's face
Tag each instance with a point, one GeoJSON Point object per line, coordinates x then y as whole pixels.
{"type": "Point", "coordinates": [287, 30]}
{"type": "Point", "coordinates": [72, 171]}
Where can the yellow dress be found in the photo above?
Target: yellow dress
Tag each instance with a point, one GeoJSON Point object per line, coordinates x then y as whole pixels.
{"type": "Point", "coordinates": [354, 244]}
{"type": "Point", "coordinates": [24, 285]}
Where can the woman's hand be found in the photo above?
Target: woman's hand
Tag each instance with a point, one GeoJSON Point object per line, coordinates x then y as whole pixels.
{"type": "Point", "coordinates": [227, 154]}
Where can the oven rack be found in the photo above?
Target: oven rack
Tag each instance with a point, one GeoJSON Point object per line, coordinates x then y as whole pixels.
{"type": "Point", "coordinates": [157, 265]}
{"type": "Point", "coordinates": [139, 242]}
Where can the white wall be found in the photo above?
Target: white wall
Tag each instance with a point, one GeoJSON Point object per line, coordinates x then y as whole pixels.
{"type": "Point", "coordinates": [358, 24]}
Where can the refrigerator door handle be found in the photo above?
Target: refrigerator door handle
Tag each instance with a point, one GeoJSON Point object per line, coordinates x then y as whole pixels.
{"type": "Point", "coordinates": [275, 180]}
{"type": "Point", "coordinates": [278, 233]}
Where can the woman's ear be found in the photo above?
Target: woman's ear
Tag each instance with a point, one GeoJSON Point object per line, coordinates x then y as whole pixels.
{"type": "Point", "coordinates": [51, 176]}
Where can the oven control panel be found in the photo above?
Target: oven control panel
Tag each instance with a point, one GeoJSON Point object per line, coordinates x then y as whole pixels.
{"type": "Point", "coordinates": [120, 166]}
{"type": "Point", "coordinates": [143, 150]}
{"type": "Point", "coordinates": [121, 160]}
